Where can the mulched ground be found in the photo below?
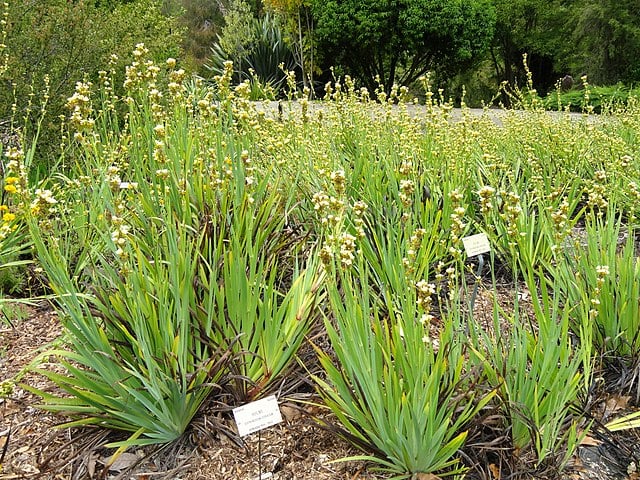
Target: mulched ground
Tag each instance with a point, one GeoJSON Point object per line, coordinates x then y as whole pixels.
{"type": "Point", "coordinates": [31, 446]}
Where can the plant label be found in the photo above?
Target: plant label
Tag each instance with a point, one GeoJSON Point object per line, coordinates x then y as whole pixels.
{"type": "Point", "coordinates": [476, 244]}
{"type": "Point", "coordinates": [257, 415]}
{"type": "Point", "coordinates": [264, 476]}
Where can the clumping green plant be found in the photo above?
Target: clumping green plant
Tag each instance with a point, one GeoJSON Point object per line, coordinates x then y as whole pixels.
{"type": "Point", "coordinates": [399, 394]}
{"type": "Point", "coordinates": [168, 262]}
{"type": "Point", "coordinates": [138, 361]}
{"type": "Point", "coordinates": [527, 233]}
{"type": "Point", "coordinates": [261, 55]}
{"type": "Point", "coordinates": [269, 324]}
{"type": "Point", "coordinates": [599, 274]}
{"type": "Point", "coordinates": [539, 374]}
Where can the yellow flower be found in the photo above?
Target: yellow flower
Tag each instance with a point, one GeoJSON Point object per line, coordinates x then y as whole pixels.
{"type": "Point", "coordinates": [8, 217]}
{"type": "Point", "coordinates": [10, 188]}
{"type": "Point", "coordinates": [11, 180]}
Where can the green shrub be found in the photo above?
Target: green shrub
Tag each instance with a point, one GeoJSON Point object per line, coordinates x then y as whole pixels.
{"type": "Point", "coordinates": [67, 42]}
{"type": "Point", "coordinates": [595, 99]}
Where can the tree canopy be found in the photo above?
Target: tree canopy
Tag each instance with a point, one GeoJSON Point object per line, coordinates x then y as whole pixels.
{"type": "Point", "coordinates": [609, 33]}
{"type": "Point", "coordinates": [70, 41]}
{"type": "Point", "coordinates": [400, 40]}
{"type": "Point", "coordinates": [599, 38]}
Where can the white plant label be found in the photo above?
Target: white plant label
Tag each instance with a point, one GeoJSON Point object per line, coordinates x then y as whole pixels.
{"type": "Point", "coordinates": [257, 415]}
{"type": "Point", "coordinates": [476, 244]}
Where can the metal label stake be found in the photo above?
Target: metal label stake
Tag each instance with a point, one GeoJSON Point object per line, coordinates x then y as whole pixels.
{"type": "Point", "coordinates": [476, 245]}
{"type": "Point", "coordinates": [476, 282]}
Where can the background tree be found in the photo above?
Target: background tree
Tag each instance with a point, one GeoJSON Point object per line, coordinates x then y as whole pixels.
{"type": "Point", "coordinates": [238, 35]}
{"type": "Point", "coordinates": [299, 26]}
{"type": "Point", "coordinates": [539, 29]}
{"type": "Point", "coordinates": [203, 21]}
{"type": "Point", "coordinates": [401, 40]}
{"type": "Point", "coordinates": [600, 38]}
{"type": "Point", "coordinates": [607, 40]}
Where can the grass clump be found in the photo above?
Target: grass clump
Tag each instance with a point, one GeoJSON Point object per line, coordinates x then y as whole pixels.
{"type": "Point", "coordinates": [169, 264]}
{"type": "Point", "coordinates": [396, 390]}
{"type": "Point", "coordinates": [539, 374]}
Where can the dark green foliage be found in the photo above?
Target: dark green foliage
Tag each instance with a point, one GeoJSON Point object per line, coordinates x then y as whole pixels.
{"type": "Point", "coordinates": [108, 4]}
{"type": "Point", "coordinates": [263, 55]}
{"type": "Point", "coordinates": [400, 41]}
{"type": "Point", "coordinates": [270, 50]}
{"type": "Point", "coordinates": [600, 38]}
{"type": "Point", "coordinates": [607, 40]}
{"type": "Point", "coordinates": [539, 29]}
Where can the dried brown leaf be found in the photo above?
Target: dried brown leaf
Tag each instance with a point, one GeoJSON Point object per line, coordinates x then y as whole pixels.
{"type": "Point", "coordinates": [122, 462]}
{"type": "Point", "coordinates": [426, 476]}
{"type": "Point", "coordinates": [589, 441]}
{"type": "Point", "coordinates": [614, 404]}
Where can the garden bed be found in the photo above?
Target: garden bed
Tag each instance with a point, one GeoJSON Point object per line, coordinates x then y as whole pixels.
{"type": "Point", "coordinates": [203, 253]}
{"type": "Point", "coordinates": [296, 449]}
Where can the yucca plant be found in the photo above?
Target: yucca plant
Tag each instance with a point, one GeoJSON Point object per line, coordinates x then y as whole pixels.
{"type": "Point", "coordinates": [264, 57]}
{"type": "Point", "coordinates": [399, 395]}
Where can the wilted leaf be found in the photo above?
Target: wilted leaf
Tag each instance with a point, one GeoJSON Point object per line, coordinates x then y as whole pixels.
{"type": "Point", "coordinates": [589, 441]}
{"type": "Point", "coordinates": [122, 462]}
{"type": "Point", "coordinates": [91, 465]}
{"type": "Point", "coordinates": [426, 476]}
{"type": "Point", "coordinates": [614, 404]}
{"type": "Point", "coordinates": [290, 412]}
